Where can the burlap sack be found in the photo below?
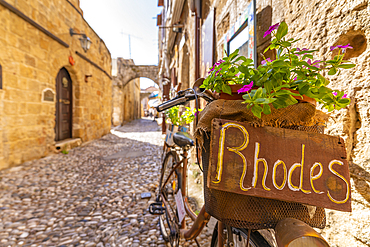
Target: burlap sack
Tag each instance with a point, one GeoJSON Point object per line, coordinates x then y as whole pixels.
{"type": "Point", "coordinates": [301, 114]}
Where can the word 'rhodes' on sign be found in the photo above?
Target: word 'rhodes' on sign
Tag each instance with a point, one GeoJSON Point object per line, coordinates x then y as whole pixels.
{"type": "Point", "coordinates": [282, 164]}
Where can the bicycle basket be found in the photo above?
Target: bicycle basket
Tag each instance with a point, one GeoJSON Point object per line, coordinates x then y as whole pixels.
{"type": "Point", "coordinates": [251, 212]}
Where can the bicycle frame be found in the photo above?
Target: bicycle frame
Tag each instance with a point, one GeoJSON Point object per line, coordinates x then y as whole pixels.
{"type": "Point", "coordinates": [289, 233]}
{"type": "Point", "coordinates": [199, 220]}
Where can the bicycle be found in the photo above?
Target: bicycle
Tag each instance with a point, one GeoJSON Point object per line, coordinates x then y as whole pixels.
{"type": "Point", "coordinates": [171, 200]}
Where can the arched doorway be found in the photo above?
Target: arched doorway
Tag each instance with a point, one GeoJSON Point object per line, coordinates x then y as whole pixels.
{"type": "Point", "coordinates": [63, 113]}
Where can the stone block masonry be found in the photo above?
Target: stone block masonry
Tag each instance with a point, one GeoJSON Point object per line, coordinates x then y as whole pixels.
{"type": "Point", "coordinates": [319, 25]}
{"type": "Point", "coordinates": [31, 56]}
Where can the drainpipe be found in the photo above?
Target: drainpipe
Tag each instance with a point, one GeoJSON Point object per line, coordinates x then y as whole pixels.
{"type": "Point", "coordinates": [196, 7]}
{"type": "Point", "coordinates": [197, 46]}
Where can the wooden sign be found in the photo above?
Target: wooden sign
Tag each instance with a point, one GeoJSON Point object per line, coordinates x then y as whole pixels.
{"type": "Point", "coordinates": [282, 164]}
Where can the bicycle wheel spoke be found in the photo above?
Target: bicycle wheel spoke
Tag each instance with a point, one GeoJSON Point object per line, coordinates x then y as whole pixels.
{"type": "Point", "coordinates": [168, 187]}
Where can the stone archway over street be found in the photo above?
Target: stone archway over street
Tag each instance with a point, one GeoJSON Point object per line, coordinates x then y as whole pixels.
{"type": "Point", "coordinates": [127, 71]}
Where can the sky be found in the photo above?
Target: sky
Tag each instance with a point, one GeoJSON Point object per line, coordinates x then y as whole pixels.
{"type": "Point", "coordinates": [117, 20]}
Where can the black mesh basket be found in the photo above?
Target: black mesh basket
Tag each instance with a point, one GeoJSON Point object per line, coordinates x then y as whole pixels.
{"type": "Point", "coordinates": [251, 212]}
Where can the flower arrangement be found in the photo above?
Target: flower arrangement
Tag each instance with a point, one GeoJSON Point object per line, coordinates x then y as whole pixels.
{"type": "Point", "coordinates": [173, 115]}
{"type": "Point", "coordinates": [294, 72]}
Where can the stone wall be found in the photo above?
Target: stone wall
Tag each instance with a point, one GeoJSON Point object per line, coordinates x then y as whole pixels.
{"type": "Point", "coordinates": [30, 62]}
{"type": "Point", "coordinates": [320, 24]}
{"type": "Point", "coordinates": [126, 96]}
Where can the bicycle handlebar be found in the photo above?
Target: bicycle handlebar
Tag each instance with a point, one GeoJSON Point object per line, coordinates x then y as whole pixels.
{"type": "Point", "coordinates": [181, 98]}
{"type": "Point", "coordinates": [171, 103]}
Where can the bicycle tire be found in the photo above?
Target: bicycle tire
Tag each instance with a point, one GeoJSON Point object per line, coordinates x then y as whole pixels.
{"type": "Point", "coordinates": [165, 223]}
{"type": "Point", "coordinates": [240, 237]}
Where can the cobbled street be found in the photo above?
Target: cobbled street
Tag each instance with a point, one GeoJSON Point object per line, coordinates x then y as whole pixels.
{"type": "Point", "coordinates": [91, 196]}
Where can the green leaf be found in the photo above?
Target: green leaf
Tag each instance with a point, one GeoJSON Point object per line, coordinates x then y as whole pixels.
{"type": "Point", "coordinates": [245, 60]}
{"type": "Point", "coordinates": [283, 101]}
{"type": "Point", "coordinates": [258, 93]}
{"type": "Point", "coordinates": [324, 90]}
{"type": "Point", "coordinates": [345, 101]}
{"type": "Point", "coordinates": [332, 71]}
{"type": "Point", "coordinates": [307, 56]}
{"type": "Point", "coordinates": [268, 86]}
{"type": "Point", "coordinates": [266, 109]}
{"type": "Point", "coordinates": [279, 51]}
{"type": "Point", "coordinates": [244, 69]}
{"type": "Point", "coordinates": [346, 66]}
{"type": "Point", "coordinates": [247, 97]}
{"type": "Point", "coordinates": [257, 110]}
{"type": "Point", "coordinates": [226, 89]}
{"type": "Point", "coordinates": [233, 55]}
{"type": "Point", "coordinates": [278, 63]}
{"type": "Point", "coordinates": [282, 31]}
{"type": "Point", "coordinates": [286, 44]}
{"type": "Point", "coordinates": [304, 89]}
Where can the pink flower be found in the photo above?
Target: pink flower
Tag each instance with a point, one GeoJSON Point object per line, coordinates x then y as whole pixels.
{"type": "Point", "coordinates": [272, 28]}
{"type": "Point", "coordinates": [214, 66]}
{"type": "Point", "coordinates": [246, 88]}
{"type": "Point", "coordinates": [218, 71]}
{"type": "Point", "coordinates": [265, 61]}
{"type": "Point", "coordinates": [335, 93]}
{"type": "Point", "coordinates": [299, 50]}
{"type": "Point", "coordinates": [295, 78]}
{"type": "Point", "coordinates": [344, 96]}
{"type": "Point", "coordinates": [237, 75]}
{"type": "Point", "coordinates": [220, 62]}
{"type": "Point", "coordinates": [314, 63]}
{"type": "Point", "coordinates": [344, 47]}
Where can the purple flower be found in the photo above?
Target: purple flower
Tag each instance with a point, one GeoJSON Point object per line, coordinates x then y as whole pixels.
{"type": "Point", "coordinates": [246, 88]}
{"type": "Point", "coordinates": [237, 75]}
{"type": "Point", "coordinates": [272, 28]}
{"type": "Point", "coordinates": [299, 50]}
{"type": "Point", "coordinates": [341, 47]}
{"type": "Point", "coordinates": [218, 71]}
{"type": "Point", "coordinates": [219, 62]}
{"type": "Point", "coordinates": [335, 93]}
{"type": "Point", "coordinates": [295, 78]}
{"type": "Point", "coordinates": [315, 63]}
{"type": "Point", "coordinates": [265, 61]}
{"type": "Point", "coordinates": [344, 96]}
{"type": "Point", "coordinates": [216, 64]}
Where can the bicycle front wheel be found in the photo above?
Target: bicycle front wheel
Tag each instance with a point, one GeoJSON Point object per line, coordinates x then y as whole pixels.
{"type": "Point", "coordinates": [168, 187]}
{"type": "Point", "coordinates": [239, 238]}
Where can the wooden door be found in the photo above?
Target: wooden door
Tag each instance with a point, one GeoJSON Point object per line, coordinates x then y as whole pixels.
{"type": "Point", "coordinates": [63, 115]}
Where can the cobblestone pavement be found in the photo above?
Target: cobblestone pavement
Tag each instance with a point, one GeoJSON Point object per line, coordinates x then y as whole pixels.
{"type": "Point", "coordinates": [88, 197]}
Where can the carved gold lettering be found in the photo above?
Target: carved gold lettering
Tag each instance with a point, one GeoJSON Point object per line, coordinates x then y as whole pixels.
{"type": "Point", "coordinates": [317, 176]}
{"type": "Point", "coordinates": [277, 163]}
{"type": "Point", "coordinates": [256, 161]}
{"type": "Point", "coordinates": [341, 177]}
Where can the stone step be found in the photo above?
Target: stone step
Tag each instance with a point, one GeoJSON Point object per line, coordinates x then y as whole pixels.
{"type": "Point", "coordinates": [68, 144]}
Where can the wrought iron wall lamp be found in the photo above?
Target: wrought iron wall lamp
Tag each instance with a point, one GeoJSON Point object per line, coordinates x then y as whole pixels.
{"type": "Point", "coordinates": [85, 41]}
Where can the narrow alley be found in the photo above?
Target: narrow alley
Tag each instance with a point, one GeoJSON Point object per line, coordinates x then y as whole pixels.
{"type": "Point", "coordinates": [94, 195]}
